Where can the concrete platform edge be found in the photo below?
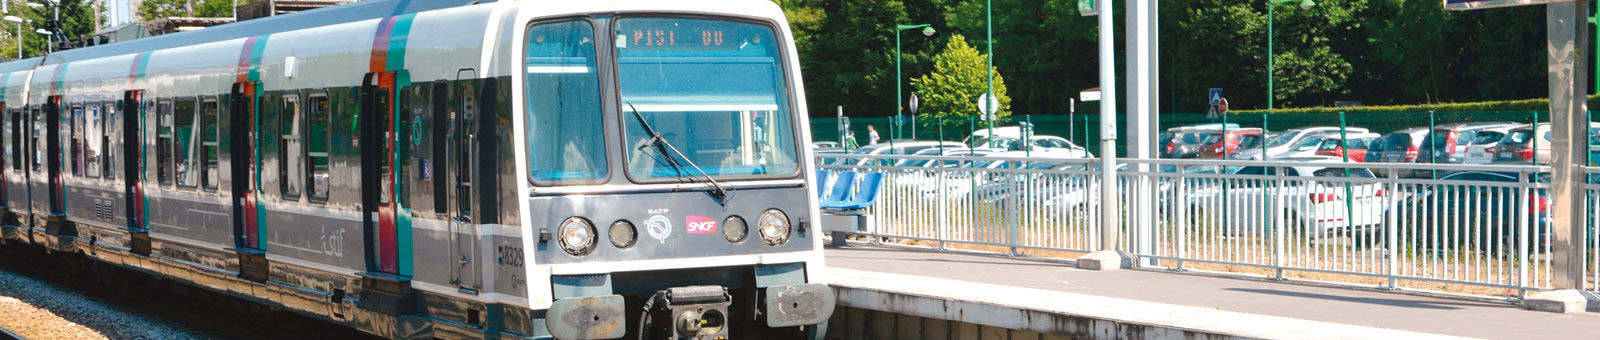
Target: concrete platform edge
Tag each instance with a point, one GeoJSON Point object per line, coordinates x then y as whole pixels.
{"type": "Point", "coordinates": [1077, 315]}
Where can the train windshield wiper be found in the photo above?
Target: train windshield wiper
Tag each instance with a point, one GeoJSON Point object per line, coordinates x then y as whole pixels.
{"type": "Point", "coordinates": [663, 146]}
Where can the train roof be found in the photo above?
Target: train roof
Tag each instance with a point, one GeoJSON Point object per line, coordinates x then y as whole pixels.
{"type": "Point", "coordinates": [282, 23]}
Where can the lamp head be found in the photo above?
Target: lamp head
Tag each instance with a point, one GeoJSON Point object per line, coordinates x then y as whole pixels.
{"type": "Point", "coordinates": [42, 31]}
{"type": "Point", "coordinates": [928, 31]}
{"type": "Point", "coordinates": [13, 18]}
{"type": "Point", "coordinates": [1307, 4]}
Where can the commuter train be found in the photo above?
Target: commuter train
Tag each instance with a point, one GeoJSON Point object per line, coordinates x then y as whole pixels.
{"type": "Point", "coordinates": [441, 168]}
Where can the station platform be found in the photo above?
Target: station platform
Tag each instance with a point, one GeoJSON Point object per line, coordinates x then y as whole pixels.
{"type": "Point", "coordinates": [1178, 305]}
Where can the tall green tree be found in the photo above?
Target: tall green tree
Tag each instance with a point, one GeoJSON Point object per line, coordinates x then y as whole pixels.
{"type": "Point", "coordinates": [849, 60]}
{"type": "Point", "coordinates": [1045, 45]}
{"type": "Point", "coordinates": [77, 20]}
{"type": "Point", "coordinates": [960, 75]}
{"type": "Point", "coordinates": [156, 9]}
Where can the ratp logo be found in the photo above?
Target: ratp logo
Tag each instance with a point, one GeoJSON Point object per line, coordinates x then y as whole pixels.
{"type": "Point", "coordinates": [659, 227]}
{"type": "Point", "coordinates": [700, 224]}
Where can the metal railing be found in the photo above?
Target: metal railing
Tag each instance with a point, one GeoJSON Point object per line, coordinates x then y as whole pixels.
{"type": "Point", "coordinates": [1484, 226]}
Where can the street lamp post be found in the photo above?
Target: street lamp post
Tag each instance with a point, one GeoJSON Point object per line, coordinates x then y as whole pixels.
{"type": "Point", "coordinates": [1304, 4]}
{"type": "Point", "coordinates": [48, 48]}
{"type": "Point", "coordinates": [899, 99]}
{"type": "Point", "coordinates": [15, 19]}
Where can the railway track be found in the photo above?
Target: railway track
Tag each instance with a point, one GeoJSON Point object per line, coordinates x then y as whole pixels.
{"type": "Point", "coordinates": [187, 310]}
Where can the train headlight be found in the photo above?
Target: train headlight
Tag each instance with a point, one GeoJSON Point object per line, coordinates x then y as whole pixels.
{"type": "Point", "coordinates": [774, 227]}
{"type": "Point", "coordinates": [577, 236]}
{"type": "Point", "coordinates": [734, 229]}
{"type": "Point", "coordinates": [623, 234]}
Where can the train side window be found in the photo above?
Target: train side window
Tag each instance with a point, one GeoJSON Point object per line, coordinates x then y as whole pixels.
{"type": "Point", "coordinates": [210, 147]}
{"type": "Point", "coordinates": [35, 147]}
{"type": "Point", "coordinates": [14, 151]}
{"type": "Point", "coordinates": [75, 131]}
{"type": "Point", "coordinates": [93, 135]}
{"type": "Point", "coordinates": [566, 130]}
{"type": "Point", "coordinates": [291, 161]}
{"type": "Point", "coordinates": [441, 125]}
{"type": "Point", "coordinates": [112, 140]}
{"type": "Point", "coordinates": [164, 143]}
{"type": "Point", "coordinates": [317, 146]}
{"type": "Point", "coordinates": [184, 142]}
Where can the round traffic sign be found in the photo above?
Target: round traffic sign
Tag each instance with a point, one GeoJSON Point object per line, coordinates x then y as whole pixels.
{"type": "Point", "coordinates": [988, 104]}
{"type": "Point", "coordinates": [913, 104]}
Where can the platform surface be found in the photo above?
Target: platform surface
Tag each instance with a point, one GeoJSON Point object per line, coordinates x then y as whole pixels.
{"type": "Point", "coordinates": [1367, 312]}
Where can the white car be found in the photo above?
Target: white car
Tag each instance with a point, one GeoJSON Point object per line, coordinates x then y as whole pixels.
{"type": "Point", "coordinates": [1479, 149]}
{"type": "Point", "coordinates": [1280, 143]}
{"type": "Point", "coordinates": [1311, 201]}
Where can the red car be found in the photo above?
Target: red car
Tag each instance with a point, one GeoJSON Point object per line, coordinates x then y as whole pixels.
{"type": "Point", "coordinates": [1359, 143]}
{"type": "Point", "coordinates": [1212, 146]}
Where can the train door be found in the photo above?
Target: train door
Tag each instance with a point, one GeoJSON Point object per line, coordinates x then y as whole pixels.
{"type": "Point", "coordinates": [248, 233]}
{"type": "Point", "coordinates": [53, 155]}
{"type": "Point", "coordinates": [5, 192]}
{"type": "Point", "coordinates": [133, 171]}
{"type": "Point", "coordinates": [377, 145]}
{"type": "Point", "coordinates": [458, 145]}
{"type": "Point", "coordinates": [242, 163]}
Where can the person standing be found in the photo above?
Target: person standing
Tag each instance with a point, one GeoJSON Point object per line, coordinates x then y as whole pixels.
{"type": "Point", "coordinates": [850, 143]}
{"type": "Point", "coordinates": [872, 135]}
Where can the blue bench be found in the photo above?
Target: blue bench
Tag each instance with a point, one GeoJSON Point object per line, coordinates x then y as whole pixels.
{"type": "Point", "coordinates": [866, 194]}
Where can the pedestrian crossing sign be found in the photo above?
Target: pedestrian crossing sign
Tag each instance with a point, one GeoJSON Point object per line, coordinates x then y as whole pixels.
{"type": "Point", "coordinates": [1216, 96]}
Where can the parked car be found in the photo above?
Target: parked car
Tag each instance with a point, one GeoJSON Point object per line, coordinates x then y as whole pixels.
{"type": "Point", "coordinates": [1185, 141]}
{"type": "Point", "coordinates": [1398, 147]}
{"type": "Point", "coordinates": [1448, 144]}
{"type": "Point", "coordinates": [1216, 145]}
{"type": "Point", "coordinates": [1495, 205]}
{"type": "Point", "coordinates": [1311, 201]}
{"type": "Point", "coordinates": [899, 148]}
{"type": "Point", "coordinates": [1354, 144]}
{"type": "Point", "coordinates": [1481, 149]}
{"type": "Point", "coordinates": [1519, 146]}
{"type": "Point", "coordinates": [1278, 145]}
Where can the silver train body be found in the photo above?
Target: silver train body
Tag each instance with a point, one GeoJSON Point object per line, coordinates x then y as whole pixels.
{"type": "Point", "coordinates": [370, 164]}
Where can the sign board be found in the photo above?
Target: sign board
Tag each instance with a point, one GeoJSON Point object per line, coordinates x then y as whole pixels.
{"type": "Point", "coordinates": [988, 104]}
{"type": "Point", "coordinates": [913, 104]}
{"type": "Point", "coordinates": [899, 120]}
{"type": "Point", "coordinates": [1089, 96]}
{"type": "Point", "coordinates": [1215, 96]}
{"type": "Point", "coordinates": [1466, 5]}
{"type": "Point", "coordinates": [1087, 8]}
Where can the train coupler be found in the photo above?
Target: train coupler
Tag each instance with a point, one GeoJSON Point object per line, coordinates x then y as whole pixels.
{"type": "Point", "coordinates": [695, 312]}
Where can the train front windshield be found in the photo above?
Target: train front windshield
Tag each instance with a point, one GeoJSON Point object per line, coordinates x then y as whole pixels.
{"type": "Point", "coordinates": [715, 90]}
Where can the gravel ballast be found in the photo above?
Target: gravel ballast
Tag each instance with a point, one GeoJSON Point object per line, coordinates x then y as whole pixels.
{"type": "Point", "coordinates": [36, 310]}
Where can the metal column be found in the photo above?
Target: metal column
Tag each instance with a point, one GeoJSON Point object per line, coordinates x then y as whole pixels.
{"type": "Point", "coordinates": [1569, 126]}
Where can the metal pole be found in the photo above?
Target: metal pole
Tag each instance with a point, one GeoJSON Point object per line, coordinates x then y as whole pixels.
{"type": "Point", "coordinates": [1109, 223]}
{"type": "Point", "coordinates": [899, 99]}
{"type": "Point", "coordinates": [1270, 15]}
{"type": "Point", "coordinates": [988, 20]}
{"type": "Point", "coordinates": [1344, 153]}
{"type": "Point", "coordinates": [1432, 150]}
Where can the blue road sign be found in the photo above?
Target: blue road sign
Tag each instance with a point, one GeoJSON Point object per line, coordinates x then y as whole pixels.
{"type": "Point", "coordinates": [1216, 96]}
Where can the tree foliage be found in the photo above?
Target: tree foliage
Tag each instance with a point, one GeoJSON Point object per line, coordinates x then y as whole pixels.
{"type": "Point", "coordinates": [77, 20]}
{"type": "Point", "coordinates": [1379, 52]}
{"type": "Point", "coordinates": [156, 9]}
{"type": "Point", "coordinates": [959, 77]}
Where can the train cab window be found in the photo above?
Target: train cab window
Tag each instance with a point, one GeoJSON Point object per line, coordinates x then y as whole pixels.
{"type": "Point", "coordinates": [93, 136]}
{"type": "Point", "coordinates": [291, 162]}
{"type": "Point", "coordinates": [184, 142]}
{"type": "Point", "coordinates": [317, 146]}
{"type": "Point", "coordinates": [566, 134]}
{"type": "Point", "coordinates": [164, 143]}
{"type": "Point", "coordinates": [210, 149]}
{"type": "Point", "coordinates": [714, 90]}
{"type": "Point", "coordinates": [75, 133]}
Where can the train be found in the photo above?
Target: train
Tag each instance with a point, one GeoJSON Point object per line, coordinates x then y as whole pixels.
{"type": "Point", "coordinates": [441, 168]}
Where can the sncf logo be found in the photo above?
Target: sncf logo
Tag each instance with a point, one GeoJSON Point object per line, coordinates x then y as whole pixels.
{"type": "Point", "coordinates": [700, 224]}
